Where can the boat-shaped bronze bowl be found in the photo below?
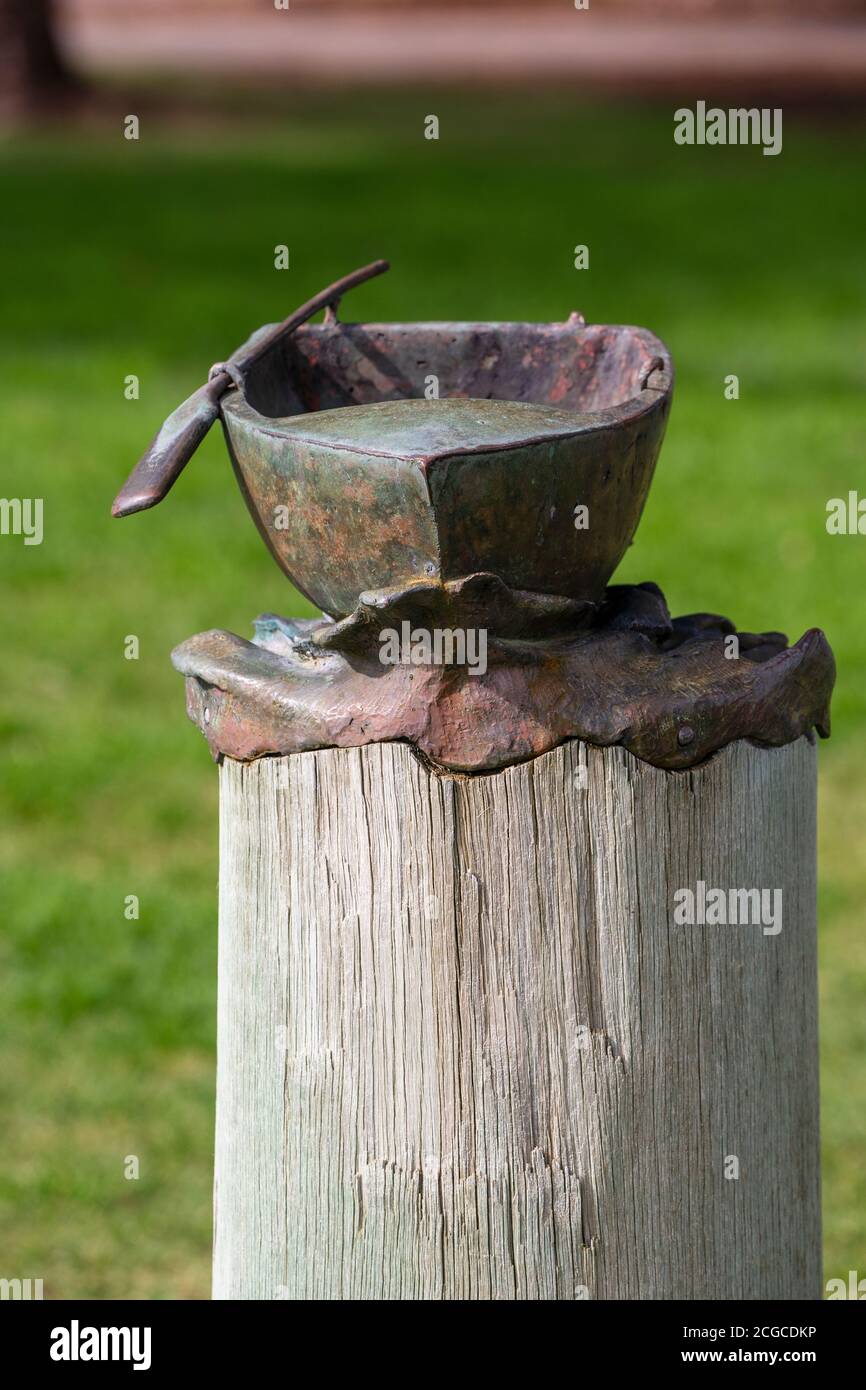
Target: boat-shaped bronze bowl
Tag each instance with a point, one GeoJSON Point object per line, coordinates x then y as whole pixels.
{"type": "Point", "coordinates": [373, 455]}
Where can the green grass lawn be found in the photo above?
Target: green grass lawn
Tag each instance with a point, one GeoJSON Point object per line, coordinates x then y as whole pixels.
{"type": "Point", "coordinates": [156, 258]}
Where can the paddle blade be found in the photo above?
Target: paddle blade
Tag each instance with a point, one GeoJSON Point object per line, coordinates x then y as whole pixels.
{"type": "Point", "coordinates": [170, 451]}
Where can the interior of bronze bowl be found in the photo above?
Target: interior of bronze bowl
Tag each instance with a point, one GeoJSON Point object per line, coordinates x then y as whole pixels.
{"type": "Point", "coordinates": [585, 368]}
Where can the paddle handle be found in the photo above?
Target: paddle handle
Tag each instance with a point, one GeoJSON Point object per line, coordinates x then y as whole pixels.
{"type": "Point", "coordinates": [172, 448]}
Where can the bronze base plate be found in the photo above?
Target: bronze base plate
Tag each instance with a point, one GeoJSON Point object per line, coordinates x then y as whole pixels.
{"type": "Point", "coordinates": [671, 691]}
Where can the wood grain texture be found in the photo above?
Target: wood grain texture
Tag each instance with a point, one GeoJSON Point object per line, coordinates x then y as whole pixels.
{"type": "Point", "coordinates": [465, 1052]}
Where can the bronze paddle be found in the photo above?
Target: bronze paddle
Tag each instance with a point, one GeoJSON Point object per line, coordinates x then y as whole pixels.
{"type": "Point", "coordinates": [174, 445]}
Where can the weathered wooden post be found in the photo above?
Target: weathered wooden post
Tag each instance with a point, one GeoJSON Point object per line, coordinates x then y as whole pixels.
{"type": "Point", "coordinates": [517, 986]}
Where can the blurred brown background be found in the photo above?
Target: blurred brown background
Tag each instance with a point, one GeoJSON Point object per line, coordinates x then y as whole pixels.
{"type": "Point", "coordinates": [793, 49]}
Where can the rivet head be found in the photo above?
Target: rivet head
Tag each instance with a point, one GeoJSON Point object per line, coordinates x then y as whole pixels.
{"type": "Point", "coordinates": [685, 735]}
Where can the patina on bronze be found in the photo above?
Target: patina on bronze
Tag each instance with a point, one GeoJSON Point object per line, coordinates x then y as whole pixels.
{"type": "Point", "coordinates": [469, 478]}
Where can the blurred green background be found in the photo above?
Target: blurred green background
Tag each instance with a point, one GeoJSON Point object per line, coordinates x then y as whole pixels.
{"type": "Point", "coordinates": [156, 258]}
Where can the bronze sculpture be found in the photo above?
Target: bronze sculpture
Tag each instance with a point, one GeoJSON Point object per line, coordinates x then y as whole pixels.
{"type": "Point", "coordinates": [455, 476]}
